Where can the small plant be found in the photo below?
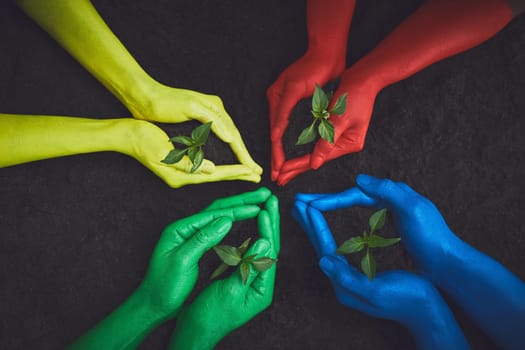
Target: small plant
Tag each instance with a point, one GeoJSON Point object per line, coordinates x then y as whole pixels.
{"type": "Point", "coordinates": [193, 149]}
{"type": "Point", "coordinates": [233, 256]}
{"type": "Point", "coordinates": [320, 102]}
{"type": "Point", "coordinates": [368, 241]}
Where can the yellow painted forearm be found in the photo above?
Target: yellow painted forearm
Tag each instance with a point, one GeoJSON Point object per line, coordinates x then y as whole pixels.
{"type": "Point", "coordinates": [78, 27]}
{"type": "Point", "coordinates": [27, 138]}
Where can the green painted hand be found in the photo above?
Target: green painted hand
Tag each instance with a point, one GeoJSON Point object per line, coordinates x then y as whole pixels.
{"type": "Point", "coordinates": [171, 276]}
{"type": "Point", "coordinates": [229, 303]}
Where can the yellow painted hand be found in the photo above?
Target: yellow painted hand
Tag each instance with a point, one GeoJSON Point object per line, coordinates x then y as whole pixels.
{"type": "Point", "coordinates": [171, 105]}
{"type": "Point", "coordinates": [149, 145]}
{"type": "Point", "coordinates": [78, 27]}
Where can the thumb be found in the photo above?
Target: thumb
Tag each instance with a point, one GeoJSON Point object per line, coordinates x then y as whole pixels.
{"type": "Point", "coordinates": [345, 277]}
{"type": "Point", "coordinates": [339, 273]}
{"type": "Point", "coordinates": [204, 239]}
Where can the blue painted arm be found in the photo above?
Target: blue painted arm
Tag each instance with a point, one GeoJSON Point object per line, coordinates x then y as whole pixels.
{"type": "Point", "coordinates": [489, 293]}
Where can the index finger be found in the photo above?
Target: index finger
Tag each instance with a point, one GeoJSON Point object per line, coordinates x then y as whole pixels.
{"type": "Point", "coordinates": [349, 198]}
{"type": "Point", "coordinates": [325, 241]}
{"type": "Point", "coordinates": [300, 214]}
{"type": "Point", "coordinates": [254, 197]}
{"type": "Point", "coordinates": [185, 227]}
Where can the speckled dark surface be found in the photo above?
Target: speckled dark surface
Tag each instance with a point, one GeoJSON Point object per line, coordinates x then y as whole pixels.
{"type": "Point", "coordinates": [76, 233]}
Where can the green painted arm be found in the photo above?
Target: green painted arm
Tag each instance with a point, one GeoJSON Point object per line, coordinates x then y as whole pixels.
{"type": "Point", "coordinates": [78, 27]}
{"type": "Point", "coordinates": [228, 304]}
{"type": "Point", "coordinates": [29, 138]}
{"type": "Point", "coordinates": [171, 275]}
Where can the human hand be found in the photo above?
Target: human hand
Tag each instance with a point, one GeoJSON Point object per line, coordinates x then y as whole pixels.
{"type": "Point", "coordinates": [295, 83]}
{"type": "Point", "coordinates": [424, 233]}
{"type": "Point", "coordinates": [400, 296]}
{"type": "Point", "coordinates": [395, 295]}
{"type": "Point", "coordinates": [173, 268]}
{"type": "Point", "coordinates": [229, 303]}
{"type": "Point", "coordinates": [148, 144]}
{"type": "Point", "coordinates": [350, 127]}
{"type": "Point", "coordinates": [166, 104]}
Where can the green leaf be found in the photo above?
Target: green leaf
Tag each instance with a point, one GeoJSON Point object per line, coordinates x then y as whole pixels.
{"type": "Point", "coordinates": [326, 130]}
{"type": "Point", "coordinates": [354, 244]}
{"type": "Point", "coordinates": [368, 265]}
{"type": "Point", "coordinates": [174, 156]}
{"type": "Point", "coordinates": [192, 152]}
{"type": "Point", "coordinates": [185, 140]}
{"type": "Point", "coordinates": [200, 133]}
{"type": "Point", "coordinates": [244, 246]}
{"type": "Point", "coordinates": [219, 271]}
{"type": "Point", "coordinates": [307, 135]}
{"type": "Point", "coordinates": [317, 115]}
{"type": "Point", "coordinates": [330, 95]}
{"type": "Point", "coordinates": [245, 272]}
{"type": "Point", "coordinates": [197, 160]}
{"type": "Point", "coordinates": [263, 263]}
{"type": "Point", "coordinates": [377, 220]}
{"type": "Point", "coordinates": [249, 258]}
{"type": "Point", "coordinates": [228, 254]}
{"type": "Point", "coordinates": [340, 105]}
{"type": "Point", "coordinates": [375, 241]}
{"type": "Point", "coordinates": [319, 100]}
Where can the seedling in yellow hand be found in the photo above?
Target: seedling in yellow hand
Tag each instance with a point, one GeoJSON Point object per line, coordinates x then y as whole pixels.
{"type": "Point", "coordinates": [193, 149]}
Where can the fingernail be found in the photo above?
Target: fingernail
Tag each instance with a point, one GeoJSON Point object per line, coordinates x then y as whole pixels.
{"type": "Point", "coordinates": [208, 167]}
{"type": "Point", "coordinates": [261, 246]}
{"type": "Point", "coordinates": [257, 169]}
{"type": "Point", "coordinates": [363, 179]}
{"type": "Point", "coordinates": [326, 265]}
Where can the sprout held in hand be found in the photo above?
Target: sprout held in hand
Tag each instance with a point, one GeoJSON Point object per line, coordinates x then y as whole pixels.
{"type": "Point", "coordinates": [320, 103]}
{"type": "Point", "coordinates": [233, 256]}
{"type": "Point", "coordinates": [193, 149]}
{"type": "Point", "coordinates": [368, 240]}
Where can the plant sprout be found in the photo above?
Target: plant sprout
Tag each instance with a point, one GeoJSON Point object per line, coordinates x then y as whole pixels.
{"type": "Point", "coordinates": [320, 103]}
{"type": "Point", "coordinates": [233, 256]}
{"type": "Point", "coordinates": [368, 241]}
{"type": "Point", "coordinates": [193, 149]}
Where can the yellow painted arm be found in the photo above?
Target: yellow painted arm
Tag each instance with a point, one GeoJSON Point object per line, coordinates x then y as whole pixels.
{"type": "Point", "coordinates": [30, 137]}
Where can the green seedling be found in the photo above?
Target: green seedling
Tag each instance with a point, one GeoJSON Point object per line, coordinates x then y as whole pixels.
{"type": "Point", "coordinates": [321, 124]}
{"type": "Point", "coordinates": [233, 256]}
{"type": "Point", "coordinates": [368, 241]}
{"type": "Point", "coordinates": [193, 149]}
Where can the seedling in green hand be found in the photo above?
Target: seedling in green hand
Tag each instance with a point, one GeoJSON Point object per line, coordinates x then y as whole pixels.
{"type": "Point", "coordinates": [193, 149]}
{"type": "Point", "coordinates": [233, 256]}
{"type": "Point", "coordinates": [320, 103]}
{"type": "Point", "coordinates": [368, 241]}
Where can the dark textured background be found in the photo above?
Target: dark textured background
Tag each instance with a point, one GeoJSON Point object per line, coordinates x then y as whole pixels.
{"type": "Point", "coordinates": [76, 233]}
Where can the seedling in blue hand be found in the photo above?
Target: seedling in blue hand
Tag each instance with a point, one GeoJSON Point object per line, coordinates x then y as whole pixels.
{"type": "Point", "coordinates": [368, 241]}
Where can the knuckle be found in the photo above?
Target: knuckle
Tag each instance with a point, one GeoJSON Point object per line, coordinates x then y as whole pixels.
{"type": "Point", "coordinates": [418, 205]}
{"type": "Point", "coordinates": [201, 236]}
{"type": "Point", "coordinates": [216, 101]}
